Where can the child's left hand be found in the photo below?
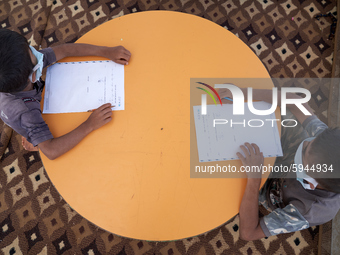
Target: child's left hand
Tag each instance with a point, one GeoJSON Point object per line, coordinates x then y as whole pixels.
{"type": "Point", "coordinates": [119, 55]}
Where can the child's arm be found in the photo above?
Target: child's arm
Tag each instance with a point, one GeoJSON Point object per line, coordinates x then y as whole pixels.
{"type": "Point", "coordinates": [250, 228]}
{"type": "Point", "coordinates": [55, 147]}
{"type": "Point", "coordinates": [117, 54]}
{"type": "Point", "coordinates": [266, 96]}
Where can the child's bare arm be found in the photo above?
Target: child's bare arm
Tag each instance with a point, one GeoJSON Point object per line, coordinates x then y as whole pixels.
{"type": "Point", "coordinates": [117, 54]}
{"type": "Point", "coordinates": [250, 228]}
{"type": "Point", "coordinates": [55, 147]}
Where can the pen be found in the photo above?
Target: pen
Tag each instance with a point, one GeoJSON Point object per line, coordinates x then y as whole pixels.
{"type": "Point", "coordinates": [228, 98]}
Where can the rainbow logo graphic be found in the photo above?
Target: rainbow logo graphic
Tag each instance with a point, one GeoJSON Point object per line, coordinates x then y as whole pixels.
{"type": "Point", "coordinates": [204, 97]}
{"type": "Point", "coordinates": [209, 93]}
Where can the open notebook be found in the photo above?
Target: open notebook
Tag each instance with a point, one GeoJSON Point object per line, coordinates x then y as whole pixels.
{"type": "Point", "coordinates": [223, 141]}
{"type": "Point", "coordinates": [83, 86]}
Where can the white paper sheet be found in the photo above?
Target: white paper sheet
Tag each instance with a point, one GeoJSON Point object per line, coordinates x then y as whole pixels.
{"type": "Point", "coordinates": [83, 86]}
{"type": "Point", "coordinates": [223, 141]}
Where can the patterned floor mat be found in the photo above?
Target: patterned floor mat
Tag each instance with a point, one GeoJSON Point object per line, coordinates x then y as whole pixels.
{"type": "Point", "coordinates": [34, 219]}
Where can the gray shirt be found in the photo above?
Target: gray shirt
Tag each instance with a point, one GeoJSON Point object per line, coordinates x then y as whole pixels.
{"type": "Point", "coordinates": [21, 110]}
{"type": "Point", "coordinates": [304, 208]}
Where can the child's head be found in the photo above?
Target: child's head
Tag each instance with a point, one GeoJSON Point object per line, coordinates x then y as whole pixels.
{"type": "Point", "coordinates": [15, 61]}
{"type": "Point", "coordinates": [325, 153]}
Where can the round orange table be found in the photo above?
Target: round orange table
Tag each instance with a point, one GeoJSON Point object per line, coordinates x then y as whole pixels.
{"type": "Point", "coordinates": [131, 177]}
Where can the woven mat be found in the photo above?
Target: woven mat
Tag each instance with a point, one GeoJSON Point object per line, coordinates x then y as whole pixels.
{"type": "Point", "coordinates": [34, 219]}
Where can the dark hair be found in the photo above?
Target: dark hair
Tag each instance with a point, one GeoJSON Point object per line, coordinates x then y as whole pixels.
{"type": "Point", "coordinates": [325, 151]}
{"type": "Point", "coordinates": [15, 61]}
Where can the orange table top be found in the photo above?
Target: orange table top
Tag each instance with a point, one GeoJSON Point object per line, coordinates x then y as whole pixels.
{"type": "Point", "coordinates": [131, 177]}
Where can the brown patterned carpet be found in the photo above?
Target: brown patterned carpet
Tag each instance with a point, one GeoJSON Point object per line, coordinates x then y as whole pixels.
{"type": "Point", "coordinates": [34, 219]}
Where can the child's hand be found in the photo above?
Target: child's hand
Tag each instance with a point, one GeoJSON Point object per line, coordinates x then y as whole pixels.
{"type": "Point", "coordinates": [253, 159]}
{"type": "Point", "coordinates": [225, 93]}
{"type": "Point", "coordinates": [27, 145]}
{"type": "Point", "coordinates": [99, 117]}
{"type": "Point", "coordinates": [119, 55]}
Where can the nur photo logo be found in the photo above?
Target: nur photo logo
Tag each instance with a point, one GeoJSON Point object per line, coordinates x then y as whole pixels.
{"type": "Point", "coordinates": [204, 97]}
{"type": "Point", "coordinates": [239, 102]}
{"type": "Point", "coordinates": [256, 110]}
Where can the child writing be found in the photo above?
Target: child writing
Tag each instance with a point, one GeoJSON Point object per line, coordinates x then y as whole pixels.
{"type": "Point", "coordinates": [298, 199]}
{"type": "Point", "coordinates": [21, 88]}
